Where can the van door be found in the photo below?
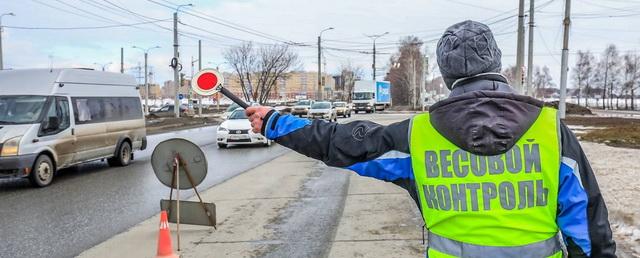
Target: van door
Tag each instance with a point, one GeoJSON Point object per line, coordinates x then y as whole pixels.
{"type": "Point", "coordinates": [90, 129]}
{"type": "Point", "coordinates": [56, 132]}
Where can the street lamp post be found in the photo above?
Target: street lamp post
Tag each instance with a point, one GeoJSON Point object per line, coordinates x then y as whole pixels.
{"type": "Point", "coordinates": [146, 84]}
{"type": "Point", "coordinates": [193, 62]}
{"type": "Point", "coordinates": [175, 64]}
{"type": "Point", "coordinates": [104, 66]}
{"type": "Point", "coordinates": [375, 37]}
{"type": "Point", "coordinates": [1, 62]}
{"type": "Point", "coordinates": [217, 94]}
{"type": "Point", "coordinates": [319, 93]}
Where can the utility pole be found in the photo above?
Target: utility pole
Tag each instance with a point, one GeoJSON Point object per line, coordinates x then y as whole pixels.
{"type": "Point", "coordinates": [520, 48]}
{"type": "Point", "coordinates": [423, 79]}
{"type": "Point", "coordinates": [199, 68]}
{"type": "Point", "coordinates": [122, 60]}
{"type": "Point", "coordinates": [413, 82]}
{"type": "Point", "coordinates": [319, 91]}
{"type": "Point", "coordinates": [189, 102]}
{"type": "Point", "coordinates": [565, 59]}
{"type": "Point", "coordinates": [1, 57]}
{"type": "Point", "coordinates": [373, 66]}
{"type": "Point", "coordinates": [324, 81]}
{"type": "Point", "coordinates": [146, 73]}
{"type": "Point", "coordinates": [175, 61]}
{"type": "Point", "coordinates": [530, 59]}
{"type": "Point", "coordinates": [146, 85]}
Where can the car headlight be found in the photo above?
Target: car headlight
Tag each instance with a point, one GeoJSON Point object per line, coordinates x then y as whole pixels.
{"type": "Point", "coordinates": [369, 104]}
{"type": "Point", "coordinates": [11, 147]}
{"type": "Point", "coordinates": [222, 129]}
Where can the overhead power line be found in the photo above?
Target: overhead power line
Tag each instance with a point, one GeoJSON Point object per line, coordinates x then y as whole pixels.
{"type": "Point", "coordinates": [225, 23]}
{"type": "Point", "coordinates": [83, 28]}
{"type": "Point", "coordinates": [230, 24]}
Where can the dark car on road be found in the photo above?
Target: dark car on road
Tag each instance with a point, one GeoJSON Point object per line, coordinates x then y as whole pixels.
{"type": "Point", "coordinates": [168, 111]}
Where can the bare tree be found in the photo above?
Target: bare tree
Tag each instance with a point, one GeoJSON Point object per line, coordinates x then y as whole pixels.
{"type": "Point", "coordinates": [609, 67]}
{"type": "Point", "coordinates": [243, 60]}
{"type": "Point", "coordinates": [405, 72]}
{"type": "Point", "coordinates": [583, 74]}
{"type": "Point", "coordinates": [542, 81]}
{"type": "Point", "coordinates": [510, 73]}
{"type": "Point", "coordinates": [631, 77]}
{"type": "Point", "coordinates": [349, 74]}
{"type": "Point", "coordinates": [260, 69]}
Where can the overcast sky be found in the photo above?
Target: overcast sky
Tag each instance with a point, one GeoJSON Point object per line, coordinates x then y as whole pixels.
{"type": "Point", "coordinates": [596, 23]}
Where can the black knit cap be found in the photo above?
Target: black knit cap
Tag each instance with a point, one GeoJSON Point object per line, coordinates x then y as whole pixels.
{"type": "Point", "coordinates": [467, 49]}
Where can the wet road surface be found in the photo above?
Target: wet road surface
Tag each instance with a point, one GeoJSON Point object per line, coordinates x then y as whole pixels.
{"type": "Point", "coordinates": [89, 203]}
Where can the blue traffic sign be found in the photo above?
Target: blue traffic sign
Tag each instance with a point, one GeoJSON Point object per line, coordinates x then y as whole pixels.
{"type": "Point", "coordinates": [180, 96]}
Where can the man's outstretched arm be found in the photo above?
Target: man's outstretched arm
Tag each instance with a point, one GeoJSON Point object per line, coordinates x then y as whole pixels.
{"type": "Point", "coordinates": [368, 148]}
{"type": "Point", "coordinates": [582, 214]}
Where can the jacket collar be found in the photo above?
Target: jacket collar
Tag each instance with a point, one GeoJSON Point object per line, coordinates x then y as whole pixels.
{"type": "Point", "coordinates": [482, 76]}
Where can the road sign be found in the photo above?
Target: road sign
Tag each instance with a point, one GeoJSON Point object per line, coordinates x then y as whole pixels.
{"type": "Point", "coordinates": [192, 157]}
{"type": "Point", "coordinates": [206, 80]}
{"type": "Point", "coordinates": [180, 96]}
{"type": "Point", "coordinates": [209, 81]}
{"type": "Point", "coordinates": [180, 164]}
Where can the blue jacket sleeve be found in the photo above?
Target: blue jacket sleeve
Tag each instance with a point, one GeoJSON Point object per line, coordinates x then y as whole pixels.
{"type": "Point", "coordinates": [582, 213]}
{"type": "Point", "coordinates": [365, 147]}
{"type": "Point", "coordinates": [572, 207]}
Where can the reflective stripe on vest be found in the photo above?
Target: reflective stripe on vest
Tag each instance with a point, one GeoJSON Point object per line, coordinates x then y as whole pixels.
{"type": "Point", "coordinates": [546, 248]}
{"type": "Point", "coordinates": [507, 200]}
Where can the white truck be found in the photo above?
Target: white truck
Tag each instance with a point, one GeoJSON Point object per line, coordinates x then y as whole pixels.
{"type": "Point", "coordinates": [369, 96]}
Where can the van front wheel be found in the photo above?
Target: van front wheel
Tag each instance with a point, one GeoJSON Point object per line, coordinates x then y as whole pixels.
{"type": "Point", "coordinates": [122, 157]}
{"type": "Point", "coordinates": [42, 172]}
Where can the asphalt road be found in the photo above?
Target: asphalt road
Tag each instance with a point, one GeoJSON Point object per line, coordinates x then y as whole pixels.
{"type": "Point", "coordinates": [89, 203]}
{"type": "Point", "coordinates": [309, 224]}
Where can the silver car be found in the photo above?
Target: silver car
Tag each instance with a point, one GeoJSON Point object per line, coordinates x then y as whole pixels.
{"type": "Point", "coordinates": [323, 110]}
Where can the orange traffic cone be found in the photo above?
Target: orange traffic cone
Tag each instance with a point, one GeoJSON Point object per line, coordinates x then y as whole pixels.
{"type": "Point", "coordinates": [165, 249]}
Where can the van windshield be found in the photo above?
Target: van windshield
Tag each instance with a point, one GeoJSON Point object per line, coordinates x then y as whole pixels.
{"type": "Point", "coordinates": [303, 103]}
{"type": "Point", "coordinates": [21, 109]}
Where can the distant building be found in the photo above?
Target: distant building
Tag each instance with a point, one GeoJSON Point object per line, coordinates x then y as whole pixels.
{"type": "Point", "coordinates": [155, 92]}
{"type": "Point", "coordinates": [168, 90]}
{"type": "Point", "coordinates": [299, 84]}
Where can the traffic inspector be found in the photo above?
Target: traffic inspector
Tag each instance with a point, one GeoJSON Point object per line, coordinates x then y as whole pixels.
{"type": "Point", "coordinates": [494, 173]}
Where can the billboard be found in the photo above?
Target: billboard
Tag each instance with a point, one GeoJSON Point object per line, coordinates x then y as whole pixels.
{"type": "Point", "coordinates": [383, 92]}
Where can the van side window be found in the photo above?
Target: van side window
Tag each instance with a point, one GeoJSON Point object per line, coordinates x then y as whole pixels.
{"type": "Point", "coordinates": [59, 108]}
{"type": "Point", "coordinates": [131, 108]}
{"type": "Point", "coordinates": [98, 109]}
{"type": "Point", "coordinates": [62, 110]}
{"type": "Point", "coordinates": [112, 109]}
{"type": "Point", "coordinates": [82, 112]}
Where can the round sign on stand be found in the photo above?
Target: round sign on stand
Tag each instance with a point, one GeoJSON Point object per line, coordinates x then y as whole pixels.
{"type": "Point", "coordinates": [207, 81]}
{"type": "Point", "coordinates": [190, 156]}
{"type": "Point", "coordinates": [180, 164]}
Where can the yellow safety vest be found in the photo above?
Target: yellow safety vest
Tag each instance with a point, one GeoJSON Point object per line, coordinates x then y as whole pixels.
{"type": "Point", "coordinates": [489, 206]}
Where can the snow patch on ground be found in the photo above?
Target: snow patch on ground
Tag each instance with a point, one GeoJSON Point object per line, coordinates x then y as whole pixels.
{"type": "Point", "coordinates": [581, 129]}
{"type": "Point", "coordinates": [618, 173]}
